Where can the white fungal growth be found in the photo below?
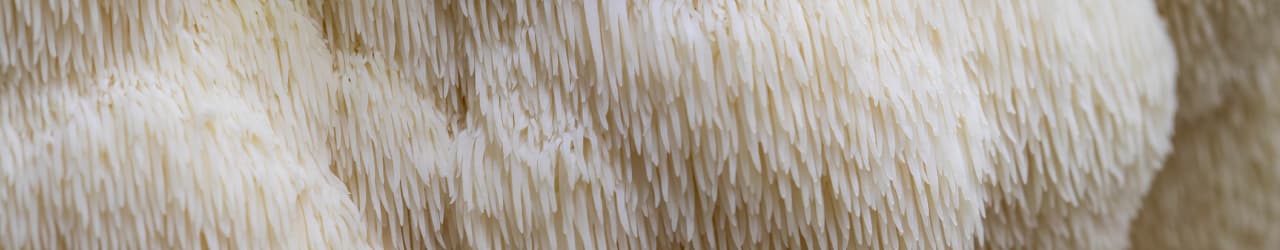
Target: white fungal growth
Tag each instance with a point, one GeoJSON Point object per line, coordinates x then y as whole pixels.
{"type": "Point", "coordinates": [210, 139]}
{"type": "Point", "coordinates": [722, 124]}
{"type": "Point", "coordinates": [48, 41]}
{"type": "Point", "coordinates": [1220, 182]}
{"type": "Point", "coordinates": [919, 124]}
